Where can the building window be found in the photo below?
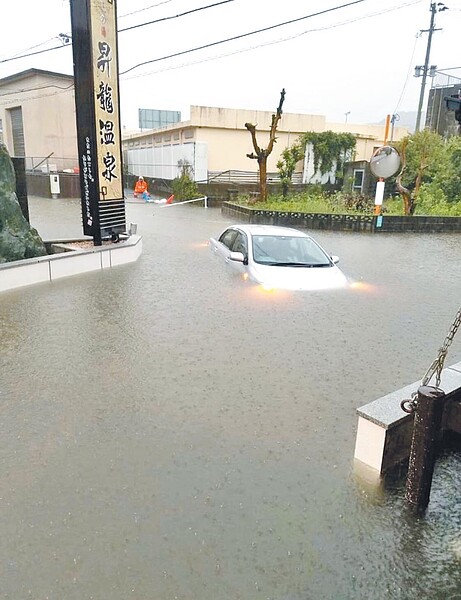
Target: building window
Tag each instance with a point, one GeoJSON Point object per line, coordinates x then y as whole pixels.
{"type": "Point", "coordinates": [1, 131]}
{"type": "Point", "coordinates": [158, 139]}
{"type": "Point", "coordinates": [167, 138]}
{"type": "Point", "coordinates": [176, 136]}
{"type": "Point", "coordinates": [17, 129]}
{"type": "Point", "coordinates": [357, 183]}
{"type": "Point", "coordinates": [188, 134]}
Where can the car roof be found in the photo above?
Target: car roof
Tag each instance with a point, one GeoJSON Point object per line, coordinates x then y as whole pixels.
{"type": "Point", "coordinates": [269, 230]}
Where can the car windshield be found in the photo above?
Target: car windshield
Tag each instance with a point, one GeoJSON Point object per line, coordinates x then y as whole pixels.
{"type": "Point", "coordinates": [292, 251]}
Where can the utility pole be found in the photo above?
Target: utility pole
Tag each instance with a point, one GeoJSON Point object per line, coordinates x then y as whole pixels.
{"type": "Point", "coordinates": [435, 7]}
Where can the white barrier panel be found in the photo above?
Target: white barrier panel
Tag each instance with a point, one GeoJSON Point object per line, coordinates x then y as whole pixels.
{"type": "Point", "coordinates": [204, 198]}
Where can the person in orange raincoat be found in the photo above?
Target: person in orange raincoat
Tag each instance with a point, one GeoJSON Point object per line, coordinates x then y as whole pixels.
{"type": "Point", "coordinates": [140, 189]}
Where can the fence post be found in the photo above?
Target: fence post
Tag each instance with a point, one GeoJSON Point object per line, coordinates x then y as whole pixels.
{"type": "Point", "coordinates": [428, 410]}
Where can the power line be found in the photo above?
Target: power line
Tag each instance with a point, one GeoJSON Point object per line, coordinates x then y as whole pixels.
{"type": "Point", "coordinates": [126, 28]}
{"type": "Point", "coordinates": [255, 47]}
{"type": "Point", "coordinates": [188, 12]}
{"type": "Point", "coordinates": [34, 53]}
{"type": "Point", "coordinates": [143, 9]}
{"type": "Point", "coordinates": [237, 37]}
{"type": "Point", "coordinates": [35, 46]}
{"type": "Point", "coordinates": [280, 40]}
{"type": "Point", "coordinates": [410, 66]}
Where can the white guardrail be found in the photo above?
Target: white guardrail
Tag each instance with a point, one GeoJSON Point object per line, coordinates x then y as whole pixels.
{"type": "Point", "coordinates": [164, 203]}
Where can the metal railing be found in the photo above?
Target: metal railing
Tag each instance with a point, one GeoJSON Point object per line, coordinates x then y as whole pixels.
{"type": "Point", "coordinates": [246, 177]}
{"type": "Point", "coordinates": [51, 164]}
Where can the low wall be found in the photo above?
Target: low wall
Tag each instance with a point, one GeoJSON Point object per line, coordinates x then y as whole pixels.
{"type": "Point", "coordinates": [384, 430]}
{"type": "Point", "coordinates": [338, 222]}
{"type": "Point", "coordinates": [38, 184]}
{"type": "Point", "coordinates": [68, 262]}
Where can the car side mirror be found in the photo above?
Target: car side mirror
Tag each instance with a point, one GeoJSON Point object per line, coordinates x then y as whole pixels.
{"type": "Point", "coordinates": [334, 259]}
{"type": "Point", "coordinates": [237, 257]}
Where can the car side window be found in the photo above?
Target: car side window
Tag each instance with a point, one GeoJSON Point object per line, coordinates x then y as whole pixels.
{"type": "Point", "coordinates": [228, 237]}
{"type": "Point", "coordinates": [240, 244]}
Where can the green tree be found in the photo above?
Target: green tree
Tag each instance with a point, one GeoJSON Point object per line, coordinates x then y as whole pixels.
{"type": "Point", "coordinates": [423, 156]}
{"type": "Point", "coordinates": [287, 164]}
{"type": "Point", "coordinates": [447, 176]}
{"type": "Point", "coordinates": [184, 187]}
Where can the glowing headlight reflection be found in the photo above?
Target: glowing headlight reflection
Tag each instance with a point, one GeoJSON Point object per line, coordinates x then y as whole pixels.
{"type": "Point", "coordinates": [362, 286]}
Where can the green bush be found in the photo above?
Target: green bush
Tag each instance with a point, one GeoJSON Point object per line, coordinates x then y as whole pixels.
{"type": "Point", "coordinates": [432, 202]}
{"type": "Point", "coordinates": [184, 187]}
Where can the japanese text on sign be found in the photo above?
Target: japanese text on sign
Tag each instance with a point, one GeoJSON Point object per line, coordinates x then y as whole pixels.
{"type": "Point", "coordinates": [106, 99]}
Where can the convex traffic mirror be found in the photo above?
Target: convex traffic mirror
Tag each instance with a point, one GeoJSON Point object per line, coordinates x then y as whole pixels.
{"type": "Point", "coordinates": [385, 162]}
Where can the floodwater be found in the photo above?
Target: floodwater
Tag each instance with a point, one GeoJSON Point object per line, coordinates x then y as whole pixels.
{"type": "Point", "coordinates": [172, 433]}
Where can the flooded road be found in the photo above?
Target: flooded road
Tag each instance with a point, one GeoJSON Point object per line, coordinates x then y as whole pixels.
{"type": "Point", "coordinates": [172, 433]}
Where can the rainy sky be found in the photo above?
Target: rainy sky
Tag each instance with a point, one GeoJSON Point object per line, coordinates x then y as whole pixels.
{"type": "Point", "coordinates": [349, 61]}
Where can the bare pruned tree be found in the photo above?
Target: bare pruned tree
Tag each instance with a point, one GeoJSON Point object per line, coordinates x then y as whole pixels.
{"type": "Point", "coordinates": [261, 154]}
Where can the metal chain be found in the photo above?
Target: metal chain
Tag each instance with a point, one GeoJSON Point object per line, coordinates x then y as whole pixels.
{"type": "Point", "coordinates": [437, 366]}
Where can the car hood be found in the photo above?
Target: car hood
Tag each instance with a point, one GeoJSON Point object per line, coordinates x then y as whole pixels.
{"type": "Point", "coordinates": [298, 278]}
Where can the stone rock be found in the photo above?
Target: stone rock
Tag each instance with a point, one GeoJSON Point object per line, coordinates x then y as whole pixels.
{"type": "Point", "coordinates": [18, 240]}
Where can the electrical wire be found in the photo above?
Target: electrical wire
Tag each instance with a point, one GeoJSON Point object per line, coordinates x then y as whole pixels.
{"type": "Point", "coordinates": [34, 53]}
{"type": "Point", "coordinates": [272, 42]}
{"type": "Point", "coordinates": [125, 29]}
{"type": "Point", "coordinates": [278, 41]}
{"type": "Point", "coordinates": [410, 66]}
{"type": "Point", "coordinates": [188, 12]}
{"type": "Point", "coordinates": [237, 37]}
{"type": "Point", "coordinates": [35, 46]}
{"type": "Point", "coordinates": [143, 9]}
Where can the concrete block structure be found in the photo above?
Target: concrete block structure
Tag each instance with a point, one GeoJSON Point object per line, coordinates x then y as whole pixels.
{"type": "Point", "coordinates": [67, 262]}
{"type": "Point", "coordinates": [384, 430]}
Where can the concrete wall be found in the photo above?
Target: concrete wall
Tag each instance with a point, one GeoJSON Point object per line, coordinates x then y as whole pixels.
{"type": "Point", "coordinates": [343, 222]}
{"type": "Point", "coordinates": [229, 148]}
{"type": "Point", "coordinates": [230, 118]}
{"type": "Point", "coordinates": [49, 268]}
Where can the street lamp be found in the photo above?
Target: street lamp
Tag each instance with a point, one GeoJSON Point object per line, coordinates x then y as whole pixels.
{"type": "Point", "coordinates": [346, 115]}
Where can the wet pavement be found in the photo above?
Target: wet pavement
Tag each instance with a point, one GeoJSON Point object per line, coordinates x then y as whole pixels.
{"type": "Point", "coordinates": [171, 432]}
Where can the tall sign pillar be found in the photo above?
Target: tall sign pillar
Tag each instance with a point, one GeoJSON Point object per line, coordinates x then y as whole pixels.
{"type": "Point", "coordinates": [95, 52]}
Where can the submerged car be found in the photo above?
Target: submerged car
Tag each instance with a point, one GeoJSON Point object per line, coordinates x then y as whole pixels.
{"type": "Point", "coordinates": [278, 258]}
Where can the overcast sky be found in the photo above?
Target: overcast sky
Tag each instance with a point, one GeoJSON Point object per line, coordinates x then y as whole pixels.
{"type": "Point", "coordinates": [358, 59]}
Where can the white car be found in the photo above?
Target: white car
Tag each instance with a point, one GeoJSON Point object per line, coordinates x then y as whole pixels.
{"type": "Point", "coordinates": [278, 258]}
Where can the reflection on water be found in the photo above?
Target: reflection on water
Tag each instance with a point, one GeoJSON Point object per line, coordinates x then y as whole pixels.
{"type": "Point", "coordinates": [170, 431]}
